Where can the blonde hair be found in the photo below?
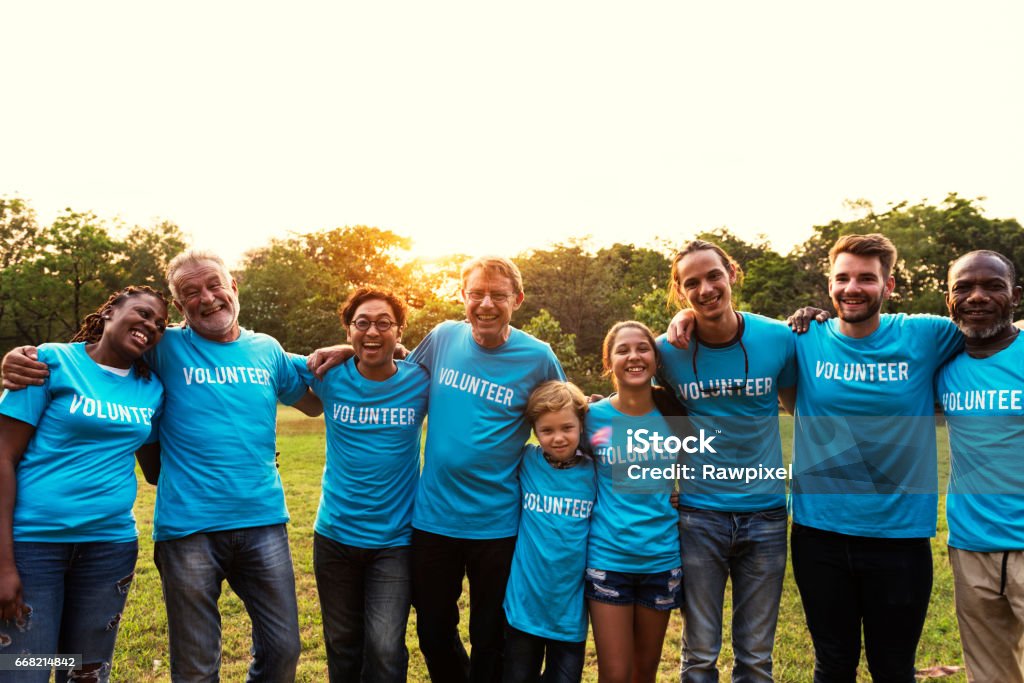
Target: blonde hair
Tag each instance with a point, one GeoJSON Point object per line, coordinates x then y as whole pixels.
{"type": "Point", "coordinates": [494, 265]}
{"type": "Point", "coordinates": [675, 286]}
{"type": "Point", "coordinates": [555, 395]}
{"type": "Point", "coordinates": [191, 257]}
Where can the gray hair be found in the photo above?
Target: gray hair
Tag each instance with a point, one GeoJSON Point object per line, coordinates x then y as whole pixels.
{"type": "Point", "coordinates": [191, 257]}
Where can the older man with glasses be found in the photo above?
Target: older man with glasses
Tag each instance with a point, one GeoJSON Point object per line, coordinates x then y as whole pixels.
{"type": "Point", "coordinates": [466, 515]}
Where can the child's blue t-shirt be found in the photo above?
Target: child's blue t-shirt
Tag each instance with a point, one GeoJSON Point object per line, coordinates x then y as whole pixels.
{"type": "Point", "coordinates": [544, 596]}
{"type": "Point", "coordinates": [218, 468]}
{"type": "Point", "coordinates": [734, 394]}
{"type": "Point", "coordinates": [76, 479]}
{"type": "Point", "coordinates": [864, 443]}
{"type": "Point", "coordinates": [373, 453]}
{"type": "Point", "coordinates": [634, 526]}
{"type": "Point", "coordinates": [983, 399]}
{"type": "Point", "coordinates": [477, 429]}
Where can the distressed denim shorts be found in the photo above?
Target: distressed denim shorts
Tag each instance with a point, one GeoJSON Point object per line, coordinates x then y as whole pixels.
{"type": "Point", "coordinates": [659, 591]}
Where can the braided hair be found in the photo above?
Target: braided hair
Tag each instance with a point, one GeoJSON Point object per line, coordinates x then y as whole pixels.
{"type": "Point", "coordinates": [92, 326]}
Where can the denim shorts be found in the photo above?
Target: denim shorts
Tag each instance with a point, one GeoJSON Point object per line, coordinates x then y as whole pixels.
{"type": "Point", "coordinates": [659, 591]}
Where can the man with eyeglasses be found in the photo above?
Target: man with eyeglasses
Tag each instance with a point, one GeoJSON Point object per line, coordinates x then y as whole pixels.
{"type": "Point", "coordinates": [374, 408]}
{"type": "Point", "coordinates": [466, 515]}
{"type": "Point", "coordinates": [467, 505]}
{"type": "Point", "coordinates": [730, 378]}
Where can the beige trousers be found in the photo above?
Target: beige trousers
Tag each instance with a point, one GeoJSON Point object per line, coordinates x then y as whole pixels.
{"type": "Point", "coordinates": [990, 610]}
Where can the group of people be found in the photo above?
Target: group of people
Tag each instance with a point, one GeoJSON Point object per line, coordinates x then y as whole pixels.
{"type": "Point", "coordinates": [545, 533]}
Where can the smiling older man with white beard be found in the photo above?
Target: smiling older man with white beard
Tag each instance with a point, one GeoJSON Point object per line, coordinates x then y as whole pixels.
{"type": "Point", "coordinates": [220, 508]}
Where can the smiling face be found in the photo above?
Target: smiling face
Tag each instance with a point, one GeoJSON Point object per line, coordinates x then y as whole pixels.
{"type": "Point", "coordinates": [374, 349]}
{"type": "Point", "coordinates": [558, 433]}
{"type": "Point", "coordinates": [705, 282]}
{"type": "Point", "coordinates": [133, 326]}
{"type": "Point", "coordinates": [981, 296]}
{"type": "Point", "coordinates": [631, 357]}
{"type": "Point", "coordinates": [208, 300]}
{"type": "Point", "coordinates": [858, 286]}
{"type": "Point", "coordinates": [490, 318]}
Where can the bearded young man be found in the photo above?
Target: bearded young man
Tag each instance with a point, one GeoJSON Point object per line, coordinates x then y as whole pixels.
{"type": "Point", "coordinates": [865, 485]}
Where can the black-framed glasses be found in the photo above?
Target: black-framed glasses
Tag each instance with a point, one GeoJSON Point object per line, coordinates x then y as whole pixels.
{"type": "Point", "coordinates": [382, 325]}
{"type": "Point", "coordinates": [497, 297]}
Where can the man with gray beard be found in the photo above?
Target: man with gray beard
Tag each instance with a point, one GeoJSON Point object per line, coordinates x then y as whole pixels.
{"type": "Point", "coordinates": [982, 393]}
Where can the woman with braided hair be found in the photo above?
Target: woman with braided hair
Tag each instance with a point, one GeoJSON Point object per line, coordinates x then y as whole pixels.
{"type": "Point", "coordinates": [68, 541]}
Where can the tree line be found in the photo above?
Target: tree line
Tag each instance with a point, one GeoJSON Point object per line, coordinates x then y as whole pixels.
{"type": "Point", "coordinates": [291, 288]}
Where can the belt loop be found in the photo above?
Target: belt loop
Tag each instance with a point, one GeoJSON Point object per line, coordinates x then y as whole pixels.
{"type": "Point", "coordinates": [1002, 578]}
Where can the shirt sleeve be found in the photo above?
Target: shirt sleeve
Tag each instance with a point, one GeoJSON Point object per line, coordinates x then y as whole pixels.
{"type": "Point", "coordinates": [290, 386]}
{"type": "Point", "coordinates": [787, 376]}
{"type": "Point", "coordinates": [949, 341]}
{"type": "Point", "coordinates": [28, 404]}
{"type": "Point", "coordinates": [307, 377]}
{"type": "Point", "coordinates": [154, 431]}
{"type": "Point", "coordinates": [552, 368]}
{"type": "Point", "coordinates": [423, 354]}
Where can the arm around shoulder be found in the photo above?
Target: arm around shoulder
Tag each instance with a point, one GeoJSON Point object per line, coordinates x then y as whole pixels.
{"type": "Point", "coordinates": [21, 368]}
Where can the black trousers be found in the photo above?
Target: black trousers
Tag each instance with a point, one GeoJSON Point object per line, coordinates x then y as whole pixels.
{"type": "Point", "coordinates": [439, 564]}
{"type": "Point", "coordinates": [847, 582]}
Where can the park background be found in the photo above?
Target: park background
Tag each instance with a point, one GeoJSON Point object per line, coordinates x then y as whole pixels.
{"type": "Point", "coordinates": [322, 146]}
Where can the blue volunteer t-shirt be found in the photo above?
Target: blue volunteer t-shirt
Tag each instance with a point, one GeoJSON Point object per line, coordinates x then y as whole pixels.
{"type": "Point", "coordinates": [734, 394]}
{"type": "Point", "coordinates": [983, 399]}
{"type": "Point", "coordinates": [545, 586]}
{"type": "Point", "coordinates": [476, 431]}
{"type": "Point", "coordinates": [217, 441]}
{"type": "Point", "coordinates": [373, 453]}
{"type": "Point", "coordinates": [864, 444]}
{"type": "Point", "coordinates": [76, 479]}
{"type": "Point", "coordinates": [633, 528]}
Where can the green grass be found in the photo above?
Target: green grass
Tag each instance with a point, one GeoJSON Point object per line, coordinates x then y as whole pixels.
{"type": "Point", "coordinates": [142, 644]}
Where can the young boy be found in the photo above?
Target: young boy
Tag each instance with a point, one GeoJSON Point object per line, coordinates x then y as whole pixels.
{"type": "Point", "coordinates": [544, 599]}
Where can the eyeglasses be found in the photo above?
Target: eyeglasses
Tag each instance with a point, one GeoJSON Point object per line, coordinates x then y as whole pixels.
{"type": "Point", "coordinates": [496, 297]}
{"type": "Point", "coordinates": [382, 325]}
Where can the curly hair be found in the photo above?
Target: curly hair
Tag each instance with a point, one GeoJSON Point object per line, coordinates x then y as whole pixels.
{"type": "Point", "coordinates": [91, 329]}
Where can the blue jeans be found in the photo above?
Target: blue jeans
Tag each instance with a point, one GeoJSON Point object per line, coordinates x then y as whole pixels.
{"type": "Point", "coordinates": [257, 564]}
{"type": "Point", "coordinates": [364, 600]}
{"type": "Point", "coordinates": [526, 653]}
{"type": "Point", "coordinates": [749, 548]}
{"type": "Point", "coordinates": [76, 592]}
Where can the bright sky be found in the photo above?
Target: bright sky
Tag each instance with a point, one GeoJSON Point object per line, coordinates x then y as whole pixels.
{"type": "Point", "coordinates": [495, 127]}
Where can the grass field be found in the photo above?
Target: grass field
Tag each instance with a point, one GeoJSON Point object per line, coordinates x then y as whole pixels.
{"type": "Point", "coordinates": [142, 645]}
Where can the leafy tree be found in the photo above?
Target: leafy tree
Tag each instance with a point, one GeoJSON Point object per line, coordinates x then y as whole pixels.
{"type": "Point", "coordinates": [147, 251]}
{"type": "Point", "coordinates": [654, 310]}
{"type": "Point", "coordinates": [423, 319]}
{"type": "Point", "coordinates": [927, 237]}
{"type": "Point", "coordinates": [581, 371]}
{"type": "Point", "coordinates": [18, 231]}
{"type": "Point", "coordinates": [292, 288]}
{"type": "Point", "coordinates": [74, 268]}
